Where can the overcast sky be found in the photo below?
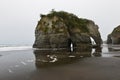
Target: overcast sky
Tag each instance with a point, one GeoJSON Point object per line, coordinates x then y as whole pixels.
{"type": "Point", "coordinates": [18, 18]}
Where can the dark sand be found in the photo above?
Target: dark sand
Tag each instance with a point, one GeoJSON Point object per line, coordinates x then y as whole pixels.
{"type": "Point", "coordinates": [22, 65]}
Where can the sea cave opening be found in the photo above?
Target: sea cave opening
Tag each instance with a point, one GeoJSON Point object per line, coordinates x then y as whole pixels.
{"type": "Point", "coordinates": [92, 41]}
{"type": "Point", "coordinates": [70, 45]}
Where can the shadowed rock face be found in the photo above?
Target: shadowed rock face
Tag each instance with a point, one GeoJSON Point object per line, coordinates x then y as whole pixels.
{"type": "Point", "coordinates": [114, 37]}
{"type": "Point", "coordinates": [61, 29]}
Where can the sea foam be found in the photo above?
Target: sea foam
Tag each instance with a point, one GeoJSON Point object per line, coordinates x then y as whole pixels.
{"type": "Point", "coordinates": [12, 48]}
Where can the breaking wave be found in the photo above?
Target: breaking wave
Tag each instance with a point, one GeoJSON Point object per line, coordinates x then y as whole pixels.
{"type": "Point", "coordinates": [12, 48]}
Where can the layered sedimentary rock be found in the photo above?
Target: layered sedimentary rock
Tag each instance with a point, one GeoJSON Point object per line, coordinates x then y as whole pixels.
{"type": "Point", "coordinates": [114, 37]}
{"type": "Point", "coordinates": [61, 29]}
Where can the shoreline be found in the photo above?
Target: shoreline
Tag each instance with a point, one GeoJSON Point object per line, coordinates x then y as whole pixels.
{"type": "Point", "coordinates": [21, 65]}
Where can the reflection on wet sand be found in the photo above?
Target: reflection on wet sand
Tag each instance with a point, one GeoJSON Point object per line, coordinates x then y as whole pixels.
{"type": "Point", "coordinates": [113, 48]}
{"type": "Point", "coordinates": [110, 50]}
{"type": "Point", "coordinates": [61, 65]}
{"type": "Point", "coordinates": [45, 58]}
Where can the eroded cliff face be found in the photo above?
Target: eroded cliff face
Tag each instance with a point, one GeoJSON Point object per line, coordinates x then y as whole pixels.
{"type": "Point", "coordinates": [58, 30]}
{"type": "Point", "coordinates": [51, 33]}
{"type": "Point", "coordinates": [114, 37]}
{"type": "Point", "coordinates": [94, 32]}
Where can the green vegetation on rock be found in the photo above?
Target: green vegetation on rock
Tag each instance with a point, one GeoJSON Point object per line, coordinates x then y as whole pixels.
{"type": "Point", "coordinates": [70, 20]}
{"type": "Point", "coordinates": [116, 30]}
{"type": "Point", "coordinates": [59, 29]}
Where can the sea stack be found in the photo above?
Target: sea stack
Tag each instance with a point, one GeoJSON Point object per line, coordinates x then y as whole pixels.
{"type": "Point", "coordinates": [58, 30]}
{"type": "Point", "coordinates": [114, 37]}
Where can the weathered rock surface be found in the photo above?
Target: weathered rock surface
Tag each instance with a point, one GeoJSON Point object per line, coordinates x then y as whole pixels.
{"type": "Point", "coordinates": [114, 37]}
{"type": "Point", "coordinates": [61, 29]}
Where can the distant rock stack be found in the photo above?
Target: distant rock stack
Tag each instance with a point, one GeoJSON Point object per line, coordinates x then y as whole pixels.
{"type": "Point", "coordinates": [58, 30]}
{"type": "Point", "coordinates": [114, 37]}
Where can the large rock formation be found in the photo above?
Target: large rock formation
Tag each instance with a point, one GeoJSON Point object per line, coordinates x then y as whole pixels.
{"type": "Point", "coordinates": [114, 37]}
{"type": "Point", "coordinates": [58, 30]}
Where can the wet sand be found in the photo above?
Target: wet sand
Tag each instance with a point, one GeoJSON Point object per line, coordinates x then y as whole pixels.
{"type": "Point", "coordinates": [21, 65]}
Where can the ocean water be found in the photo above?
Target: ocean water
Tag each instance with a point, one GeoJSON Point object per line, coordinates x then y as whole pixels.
{"type": "Point", "coordinates": [14, 47]}
{"type": "Point", "coordinates": [104, 47]}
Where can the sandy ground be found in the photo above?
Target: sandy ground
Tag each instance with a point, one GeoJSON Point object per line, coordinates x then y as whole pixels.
{"type": "Point", "coordinates": [21, 65]}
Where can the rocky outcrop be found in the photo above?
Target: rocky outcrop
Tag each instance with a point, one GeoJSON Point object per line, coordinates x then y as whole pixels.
{"type": "Point", "coordinates": [114, 37]}
{"type": "Point", "coordinates": [51, 33]}
{"type": "Point", "coordinates": [109, 40]}
{"type": "Point", "coordinates": [58, 30]}
{"type": "Point", "coordinates": [94, 32]}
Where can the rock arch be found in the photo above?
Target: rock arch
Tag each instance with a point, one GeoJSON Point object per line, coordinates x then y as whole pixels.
{"type": "Point", "coordinates": [66, 29]}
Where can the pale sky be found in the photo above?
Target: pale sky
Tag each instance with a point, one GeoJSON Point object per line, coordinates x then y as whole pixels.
{"type": "Point", "coordinates": [18, 18]}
